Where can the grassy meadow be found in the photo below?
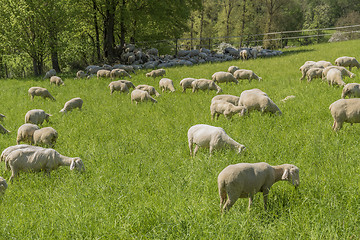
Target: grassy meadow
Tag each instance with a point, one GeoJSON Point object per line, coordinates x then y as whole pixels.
{"type": "Point", "coordinates": [141, 183]}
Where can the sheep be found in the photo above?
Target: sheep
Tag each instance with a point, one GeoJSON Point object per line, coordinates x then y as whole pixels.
{"type": "Point", "coordinates": [103, 73]}
{"type": "Point", "coordinates": [314, 73]}
{"type": "Point", "coordinates": [218, 107]}
{"type": "Point", "coordinates": [347, 62]}
{"type": "Point", "coordinates": [186, 83]}
{"type": "Point", "coordinates": [351, 90]}
{"type": "Point", "coordinates": [166, 84]}
{"type": "Point", "coordinates": [118, 73]}
{"type": "Point", "coordinates": [128, 83]}
{"type": "Point", "coordinates": [227, 98]}
{"type": "Point", "coordinates": [37, 116]}
{"type": "Point", "coordinates": [118, 86]}
{"type": "Point", "coordinates": [253, 53]}
{"type": "Point", "coordinates": [211, 137]}
{"type": "Point", "coordinates": [226, 77]}
{"type": "Point", "coordinates": [81, 74]}
{"type": "Point", "coordinates": [205, 84]}
{"type": "Point", "coordinates": [255, 99]}
{"type": "Point", "coordinates": [344, 72]}
{"type": "Point", "coordinates": [3, 130]}
{"type": "Point", "coordinates": [244, 180]}
{"type": "Point", "coordinates": [3, 186]}
{"type": "Point", "coordinates": [156, 73]}
{"type": "Point", "coordinates": [8, 150]}
{"type": "Point", "coordinates": [345, 110]}
{"type": "Point", "coordinates": [25, 133]}
{"type": "Point", "coordinates": [45, 136]}
{"type": "Point", "coordinates": [246, 74]}
{"type": "Point", "coordinates": [323, 64]}
{"type": "Point", "coordinates": [311, 64]}
{"type": "Point", "coordinates": [150, 89]}
{"type": "Point", "coordinates": [244, 54]}
{"type": "Point", "coordinates": [141, 96]}
{"type": "Point", "coordinates": [232, 69]}
{"type": "Point", "coordinates": [334, 76]}
{"type": "Point", "coordinates": [56, 80]}
{"type": "Point", "coordinates": [71, 104]}
{"type": "Point", "coordinates": [40, 159]}
{"type": "Point", "coordinates": [50, 73]}
{"type": "Point", "coordinates": [41, 92]}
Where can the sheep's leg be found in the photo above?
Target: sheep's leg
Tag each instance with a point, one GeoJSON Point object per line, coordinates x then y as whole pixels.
{"type": "Point", "coordinates": [230, 201]}
{"type": "Point", "coordinates": [222, 194]}
{"type": "Point", "coordinates": [251, 198]}
{"type": "Point", "coordinates": [211, 148]}
{"type": "Point", "coordinates": [196, 149]}
{"type": "Point", "coordinates": [190, 147]}
{"type": "Point", "coordinates": [217, 116]}
{"type": "Point", "coordinates": [265, 194]}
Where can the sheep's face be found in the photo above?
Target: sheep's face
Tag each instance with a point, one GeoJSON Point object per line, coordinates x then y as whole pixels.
{"type": "Point", "coordinates": [77, 164]}
{"type": "Point", "coordinates": [291, 174]}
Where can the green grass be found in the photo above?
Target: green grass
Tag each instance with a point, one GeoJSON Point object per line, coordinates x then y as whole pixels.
{"type": "Point", "coordinates": [140, 182]}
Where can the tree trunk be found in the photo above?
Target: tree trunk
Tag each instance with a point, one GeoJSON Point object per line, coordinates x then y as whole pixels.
{"type": "Point", "coordinates": [97, 35]}
{"type": "Point", "coordinates": [122, 26]}
{"type": "Point", "coordinates": [54, 50]}
{"type": "Point", "coordinates": [242, 23]}
{"type": "Point", "coordinates": [109, 40]}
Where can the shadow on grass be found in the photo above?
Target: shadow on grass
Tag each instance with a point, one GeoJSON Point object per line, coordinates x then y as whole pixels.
{"type": "Point", "coordinates": [296, 51]}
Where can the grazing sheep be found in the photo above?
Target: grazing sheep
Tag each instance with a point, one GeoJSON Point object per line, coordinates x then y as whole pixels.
{"type": "Point", "coordinates": [244, 54]}
{"type": "Point", "coordinates": [117, 73]}
{"type": "Point", "coordinates": [71, 104]}
{"type": "Point", "coordinates": [314, 73]}
{"type": "Point", "coordinates": [45, 136]}
{"type": "Point", "coordinates": [287, 98]}
{"type": "Point", "coordinates": [344, 72]}
{"type": "Point", "coordinates": [246, 74]}
{"type": "Point", "coordinates": [2, 116]}
{"type": "Point", "coordinates": [103, 73]}
{"type": "Point", "coordinates": [347, 62]}
{"type": "Point", "coordinates": [334, 76]}
{"type": "Point", "coordinates": [129, 84]}
{"type": "Point", "coordinates": [50, 73]}
{"type": "Point", "coordinates": [118, 86]}
{"type": "Point", "coordinates": [323, 64]}
{"type": "Point", "coordinates": [56, 80]}
{"type": "Point", "coordinates": [227, 98]}
{"type": "Point", "coordinates": [226, 77]}
{"type": "Point", "coordinates": [81, 74]}
{"type": "Point", "coordinates": [156, 73]}
{"type": "Point", "coordinates": [8, 150]}
{"type": "Point", "coordinates": [351, 90]}
{"type": "Point", "coordinates": [150, 89]}
{"type": "Point", "coordinates": [232, 69]}
{"type": "Point", "coordinates": [3, 186]}
{"type": "Point", "coordinates": [3, 130]}
{"type": "Point", "coordinates": [345, 110]}
{"type": "Point", "coordinates": [186, 83]}
{"type": "Point", "coordinates": [166, 84]}
{"type": "Point", "coordinates": [37, 116]}
{"type": "Point", "coordinates": [41, 92]}
{"type": "Point", "coordinates": [25, 133]}
{"type": "Point", "coordinates": [218, 107]}
{"type": "Point", "coordinates": [40, 159]}
{"type": "Point", "coordinates": [205, 84]}
{"type": "Point", "coordinates": [244, 180]}
{"type": "Point", "coordinates": [211, 137]}
{"type": "Point", "coordinates": [311, 64]}
{"type": "Point", "coordinates": [255, 99]}
{"type": "Point", "coordinates": [141, 96]}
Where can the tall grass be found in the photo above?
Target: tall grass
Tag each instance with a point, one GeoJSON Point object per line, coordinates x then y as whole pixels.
{"type": "Point", "coordinates": [140, 181]}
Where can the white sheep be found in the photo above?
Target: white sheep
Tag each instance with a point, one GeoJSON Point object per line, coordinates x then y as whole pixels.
{"type": "Point", "coordinates": [345, 110]}
{"type": "Point", "coordinates": [8, 150]}
{"type": "Point", "coordinates": [56, 80]}
{"type": "Point", "coordinates": [186, 83]}
{"type": "Point", "coordinates": [3, 130]}
{"type": "Point", "coordinates": [246, 74]}
{"type": "Point", "coordinates": [244, 180]}
{"type": "Point", "coordinates": [40, 159]}
{"type": "Point", "coordinates": [218, 107]}
{"type": "Point", "coordinates": [25, 133]}
{"type": "Point", "coordinates": [347, 62]}
{"type": "Point", "coordinates": [128, 83]}
{"type": "Point", "coordinates": [255, 99]}
{"type": "Point", "coordinates": [226, 77]}
{"type": "Point", "coordinates": [244, 54]}
{"type": "Point", "coordinates": [323, 64]}
{"type": "Point", "coordinates": [344, 72]}
{"type": "Point", "coordinates": [3, 186]}
{"type": "Point", "coordinates": [156, 73]}
{"type": "Point", "coordinates": [311, 64]}
{"type": "Point", "coordinates": [232, 69]}
{"type": "Point", "coordinates": [141, 96]}
{"type": "Point", "coordinates": [81, 74]}
{"type": "Point", "coordinates": [117, 73]}
{"type": "Point", "coordinates": [103, 73]}
{"type": "Point", "coordinates": [334, 76]}
{"type": "Point", "coordinates": [150, 89]}
{"type": "Point", "coordinates": [45, 136]}
{"type": "Point", "coordinates": [227, 98]}
{"type": "Point", "coordinates": [166, 84]}
{"type": "Point", "coordinates": [71, 104]}
{"type": "Point", "coordinates": [50, 73]}
{"type": "Point", "coordinates": [314, 73]}
{"type": "Point", "coordinates": [37, 116]}
{"type": "Point", "coordinates": [211, 137]}
{"type": "Point", "coordinates": [351, 90]}
{"type": "Point", "coordinates": [118, 86]}
{"type": "Point", "coordinates": [205, 84]}
{"type": "Point", "coordinates": [41, 92]}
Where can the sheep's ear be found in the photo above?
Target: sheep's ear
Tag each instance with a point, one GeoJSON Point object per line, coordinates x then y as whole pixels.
{"type": "Point", "coordinates": [285, 175]}
{"type": "Point", "coordinates": [72, 165]}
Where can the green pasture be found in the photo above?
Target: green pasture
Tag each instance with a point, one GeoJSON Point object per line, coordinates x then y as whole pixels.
{"type": "Point", "coordinates": [141, 183]}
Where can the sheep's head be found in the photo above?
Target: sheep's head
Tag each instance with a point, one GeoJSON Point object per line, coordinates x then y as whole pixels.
{"type": "Point", "coordinates": [291, 174]}
{"type": "Point", "coordinates": [241, 148]}
{"type": "Point", "coordinates": [77, 164]}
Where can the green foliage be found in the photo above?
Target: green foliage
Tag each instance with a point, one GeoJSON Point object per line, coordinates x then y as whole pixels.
{"type": "Point", "coordinates": [141, 183]}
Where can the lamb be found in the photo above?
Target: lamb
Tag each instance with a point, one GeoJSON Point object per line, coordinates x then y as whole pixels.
{"type": "Point", "coordinates": [314, 73]}
{"type": "Point", "coordinates": [166, 84]}
{"type": "Point", "coordinates": [232, 69]}
{"type": "Point", "coordinates": [246, 74]}
{"type": "Point", "coordinates": [211, 137]}
{"type": "Point", "coordinates": [45, 136]}
{"type": "Point", "coordinates": [37, 116]}
{"type": "Point", "coordinates": [41, 92]}
{"type": "Point", "coordinates": [344, 72]}
{"type": "Point", "coordinates": [347, 62]}
{"type": "Point", "coordinates": [3, 130]}
{"type": "Point", "coordinates": [40, 159]}
{"type": "Point", "coordinates": [244, 54]}
{"type": "Point", "coordinates": [103, 73]}
{"type": "Point", "coordinates": [186, 83]}
{"type": "Point", "coordinates": [255, 99]}
{"type": "Point", "coordinates": [50, 73]}
{"type": "Point", "coordinates": [227, 98]}
{"type": "Point", "coordinates": [3, 186]}
{"type": "Point", "coordinates": [141, 96]}
{"type": "Point", "coordinates": [150, 89]}
{"type": "Point", "coordinates": [71, 104]}
{"type": "Point", "coordinates": [351, 90]}
{"type": "Point", "coordinates": [334, 76]}
{"type": "Point", "coordinates": [205, 84]}
{"type": "Point", "coordinates": [244, 180]}
{"type": "Point", "coordinates": [25, 133]}
{"type": "Point", "coordinates": [118, 86]}
{"type": "Point", "coordinates": [56, 80]}
{"type": "Point", "coordinates": [156, 73]}
{"type": "Point", "coordinates": [226, 77]}
{"type": "Point", "coordinates": [218, 107]}
{"type": "Point", "coordinates": [345, 110]}
{"type": "Point", "coordinates": [81, 74]}
{"type": "Point", "coordinates": [118, 73]}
